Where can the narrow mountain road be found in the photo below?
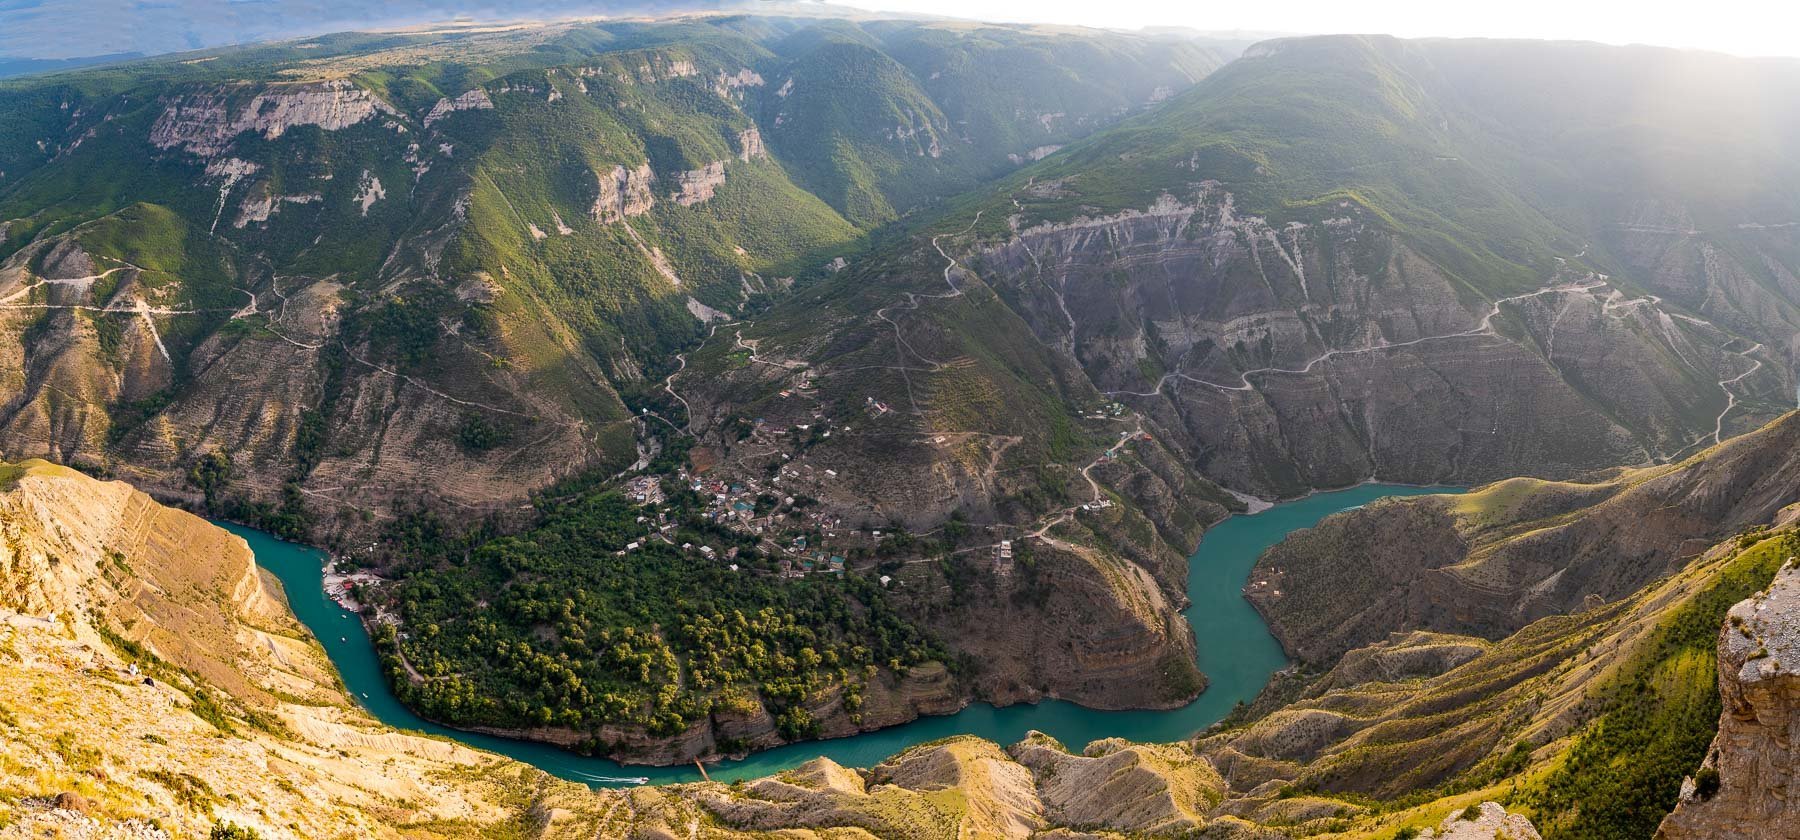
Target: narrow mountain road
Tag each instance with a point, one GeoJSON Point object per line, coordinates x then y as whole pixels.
{"type": "Point", "coordinates": [65, 281]}
{"type": "Point", "coordinates": [681, 360]}
{"type": "Point", "coordinates": [1484, 328]}
{"type": "Point", "coordinates": [1730, 396]}
{"type": "Point", "coordinates": [912, 303]}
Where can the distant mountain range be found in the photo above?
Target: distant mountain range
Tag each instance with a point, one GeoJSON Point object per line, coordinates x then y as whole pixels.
{"type": "Point", "coordinates": [45, 35]}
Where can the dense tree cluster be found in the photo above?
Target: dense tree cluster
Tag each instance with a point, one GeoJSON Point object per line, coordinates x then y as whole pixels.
{"type": "Point", "coordinates": [554, 626]}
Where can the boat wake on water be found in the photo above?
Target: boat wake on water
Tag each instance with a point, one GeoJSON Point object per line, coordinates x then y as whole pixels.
{"type": "Point", "coordinates": [614, 780]}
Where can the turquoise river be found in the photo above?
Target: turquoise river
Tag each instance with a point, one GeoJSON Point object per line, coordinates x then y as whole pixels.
{"type": "Point", "coordinates": [1236, 653]}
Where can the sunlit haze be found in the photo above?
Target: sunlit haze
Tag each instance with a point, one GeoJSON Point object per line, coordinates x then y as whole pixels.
{"type": "Point", "coordinates": [1741, 27]}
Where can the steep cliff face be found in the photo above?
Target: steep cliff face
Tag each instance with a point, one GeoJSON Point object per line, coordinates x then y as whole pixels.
{"type": "Point", "coordinates": [623, 192]}
{"type": "Point", "coordinates": [696, 185]}
{"type": "Point", "coordinates": [1325, 351]}
{"type": "Point", "coordinates": [205, 122]}
{"type": "Point", "coordinates": [1747, 786]}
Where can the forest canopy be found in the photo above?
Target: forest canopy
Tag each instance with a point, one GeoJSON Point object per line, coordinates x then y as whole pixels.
{"type": "Point", "coordinates": [554, 626]}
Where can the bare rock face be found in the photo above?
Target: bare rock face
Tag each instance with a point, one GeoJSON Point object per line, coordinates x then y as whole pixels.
{"type": "Point", "coordinates": [696, 185]}
{"type": "Point", "coordinates": [729, 84]}
{"type": "Point", "coordinates": [1323, 352]}
{"type": "Point", "coordinates": [623, 192]}
{"type": "Point", "coordinates": [1756, 754]}
{"type": "Point", "coordinates": [750, 145]}
{"type": "Point", "coordinates": [370, 190]}
{"type": "Point", "coordinates": [260, 205]}
{"type": "Point", "coordinates": [1489, 821]}
{"type": "Point", "coordinates": [205, 122]}
{"type": "Point", "coordinates": [475, 99]}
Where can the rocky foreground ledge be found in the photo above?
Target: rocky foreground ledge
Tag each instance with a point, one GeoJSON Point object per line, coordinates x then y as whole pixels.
{"type": "Point", "coordinates": [1746, 788]}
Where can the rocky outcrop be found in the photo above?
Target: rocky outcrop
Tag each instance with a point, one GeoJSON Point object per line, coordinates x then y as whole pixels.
{"type": "Point", "coordinates": [729, 84]}
{"type": "Point", "coordinates": [369, 191]}
{"type": "Point", "coordinates": [260, 205]}
{"type": "Point", "coordinates": [1749, 786]}
{"type": "Point", "coordinates": [474, 99]}
{"type": "Point", "coordinates": [204, 122]}
{"type": "Point", "coordinates": [1487, 821]}
{"type": "Point", "coordinates": [623, 192]}
{"type": "Point", "coordinates": [696, 185]}
{"type": "Point", "coordinates": [750, 145]}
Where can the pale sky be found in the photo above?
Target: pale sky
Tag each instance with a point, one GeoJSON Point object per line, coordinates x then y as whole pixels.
{"type": "Point", "coordinates": [1740, 27]}
{"type": "Point", "coordinates": [72, 28]}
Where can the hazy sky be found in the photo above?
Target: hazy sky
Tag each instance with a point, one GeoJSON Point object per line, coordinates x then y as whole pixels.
{"type": "Point", "coordinates": [68, 28]}
{"type": "Point", "coordinates": [1742, 27]}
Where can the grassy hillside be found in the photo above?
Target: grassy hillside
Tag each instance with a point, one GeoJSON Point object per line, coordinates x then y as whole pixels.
{"type": "Point", "coordinates": [432, 200]}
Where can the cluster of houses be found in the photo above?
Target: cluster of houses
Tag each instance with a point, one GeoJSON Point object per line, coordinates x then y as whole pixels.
{"type": "Point", "coordinates": [803, 384]}
{"type": "Point", "coordinates": [802, 559]}
{"type": "Point", "coordinates": [1109, 411]}
{"type": "Point", "coordinates": [645, 490]}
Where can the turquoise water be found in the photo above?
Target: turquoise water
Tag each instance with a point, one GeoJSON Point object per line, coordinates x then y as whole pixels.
{"type": "Point", "coordinates": [1236, 653]}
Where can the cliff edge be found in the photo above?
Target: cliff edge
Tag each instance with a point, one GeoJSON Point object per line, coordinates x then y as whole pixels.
{"type": "Point", "coordinates": [1746, 788]}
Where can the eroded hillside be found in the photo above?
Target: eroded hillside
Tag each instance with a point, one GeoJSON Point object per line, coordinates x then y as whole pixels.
{"type": "Point", "coordinates": [310, 285]}
{"type": "Point", "coordinates": [155, 682]}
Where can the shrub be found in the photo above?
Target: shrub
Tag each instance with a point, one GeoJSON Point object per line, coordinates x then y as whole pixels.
{"type": "Point", "coordinates": [1706, 782]}
{"type": "Point", "coordinates": [232, 831]}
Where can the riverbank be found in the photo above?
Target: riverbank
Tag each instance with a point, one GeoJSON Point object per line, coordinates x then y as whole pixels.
{"type": "Point", "coordinates": [1235, 651]}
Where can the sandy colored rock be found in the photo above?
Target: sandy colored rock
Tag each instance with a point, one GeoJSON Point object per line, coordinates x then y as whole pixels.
{"type": "Point", "coordinates": [1756, 754]}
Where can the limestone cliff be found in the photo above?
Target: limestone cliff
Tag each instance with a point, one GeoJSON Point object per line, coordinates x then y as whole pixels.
{"type": "Point", "coordinates": [696, 185]}
{"type": "Point", "coordinates": [205, 122]}
{"type": "Point", "coordinates": [1747, 788]}
{"type": "Point", "coordinates": [623, 192]}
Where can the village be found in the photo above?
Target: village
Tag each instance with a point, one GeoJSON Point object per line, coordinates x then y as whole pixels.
{"type": "Point", "coordinates": [767, 522]}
